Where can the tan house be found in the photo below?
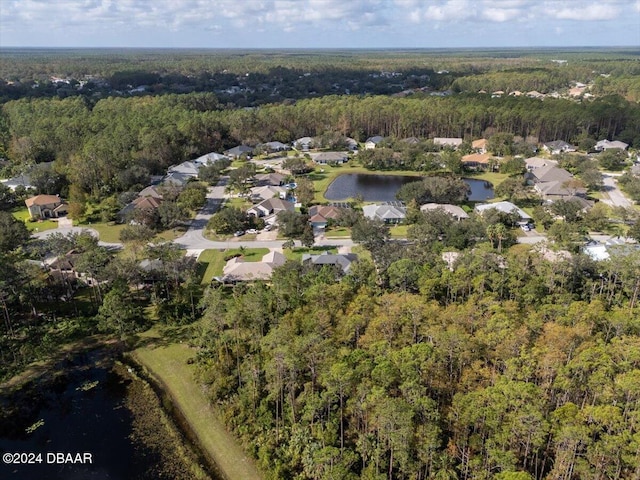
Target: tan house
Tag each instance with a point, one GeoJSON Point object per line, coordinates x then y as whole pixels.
{"type": "Point", "coordinates": [237, 270]}
{"type": "Point", "coordinates": [46, 206]}
{"type": "Point", "coordinates": [477, 161]}
{"type": "Point", "coordinates": [480, 145]}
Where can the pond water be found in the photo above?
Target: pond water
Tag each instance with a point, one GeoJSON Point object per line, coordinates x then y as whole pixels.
{"type": "Point", "coordinates": [383, 188]}
{"type": "Point", "coordinates": [83, 409]}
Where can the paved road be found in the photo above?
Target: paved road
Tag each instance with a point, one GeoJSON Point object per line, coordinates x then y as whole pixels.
{"type": "Point", "coordinates": [616, 197]}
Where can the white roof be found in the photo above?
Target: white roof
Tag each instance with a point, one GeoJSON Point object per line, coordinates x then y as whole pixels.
{"type": "Point", "coordinates": [209, 158]}
{"type": "Point", "coordinates": [454, 142]}
{"type": "Point", "coordinates": [186, 168]}
{"type": "Point", "coordinates": [505, 207]}
{"type": "Point", "coordinates": [452, 210]}
{"type": "Point", "coordinates": [605, 144]}
{"type": "Point", "coordinates": [383, 212]}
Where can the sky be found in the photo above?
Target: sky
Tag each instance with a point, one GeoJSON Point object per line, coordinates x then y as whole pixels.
{"type": "Point", "coordinates": [319, 23]}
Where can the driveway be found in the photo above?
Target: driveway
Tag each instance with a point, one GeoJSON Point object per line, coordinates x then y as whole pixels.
{"type": "Point", "coordinates": [615, 197]}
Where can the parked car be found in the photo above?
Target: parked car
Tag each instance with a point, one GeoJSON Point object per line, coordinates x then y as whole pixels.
{"type": "Point", "coordinates": [526, 227]}
{"type": "Point", "coordinates": [252, 231]}
{"type": "Point", "coordinates": [239, 233]}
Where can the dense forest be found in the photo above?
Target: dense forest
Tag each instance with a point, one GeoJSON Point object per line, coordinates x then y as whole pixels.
{"type": "Point", "coordinates": [503, 366]}
{"type": "Point", "coordinates": [92, 142]}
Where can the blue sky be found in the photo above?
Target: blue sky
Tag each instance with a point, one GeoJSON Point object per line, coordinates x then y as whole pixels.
{"type": "Point", "coordinates": [319, 23]}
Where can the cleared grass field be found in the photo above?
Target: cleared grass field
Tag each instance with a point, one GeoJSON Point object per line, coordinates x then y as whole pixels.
{"type": "Point", "coordinates": [167, 365]}
{"type": "Point", "coordinates": [109, 232]}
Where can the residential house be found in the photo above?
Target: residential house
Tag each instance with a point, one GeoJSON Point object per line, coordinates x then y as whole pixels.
{"type": "Point", "coordinates": [275, 146]}
{"type": "Point", "coordinates": [535, 94]}
{"type": "Point", "coordinates": [46, 206]}
{"type": "Point", "coordinates": [264, 179]}
{"type": "Point", "coordinates": [454, 210]}
{"type": "Point", "coordinates": [146, 205]}
{"type": "Point", "coordinates": [615, 246]}
{"type": "Point", "coordinates": [389, 213]}
{"type": "Point", "coordinates": [372, 142]}
{"type": "Point", "coordinates": [330, 158]}
{"type": "Point", "coordinates": [64, 268]}
{"type": "Point", "coordinates": [304, 143]}
{"type": "Point", "coordinates": [558, 146]}
{"type": "Point", "coordinates": [351, 143]}
{"type": "Point", "coordinates": [271, 206]}
{"type": "Point", "coordinates": [177, 179]}
{"type": "Point", "coordinates": [504, 207]}
{"type": "Point", "coordinates": [480, 145]}
{"type": "Point", "coordinates": [150, 191]}
{"type": "Point", "coordinates": [342, 261]}
{"type": "Point", "coordinates": [534, 163]}
{"type": "Point", "coordinates": [189, 169]}
{"type": "Point", "coordinates": [239, 151]}
{"type": "Point", "coordinates": [477, 161]}
{"type": "Point", "coordinates": [447, 142]}
{"type": "Point", "coordinates": [553, 182]}
{"type": "Point", "coordinates": [320, 215]}
{"type": "Point", "coordinates": [18, 181]}
{"type": "Point", "coordinates": [603, 145]}
{"type": "Point", "coordinates": [209, 158]}
{"type": "Point", "coordinates": [259, 194]}
{"type": "Point", "coordinates": [237, 270]}
{"type": "Point", "coordinates": [411, 140]}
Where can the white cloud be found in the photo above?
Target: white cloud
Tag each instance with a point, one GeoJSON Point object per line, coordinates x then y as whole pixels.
{"type": "Point", "coordinates": [592, 12]}
{"type": "Point", "coordinates": [21, 21]}
{"type": "Point", "coordinates": [501, 14]}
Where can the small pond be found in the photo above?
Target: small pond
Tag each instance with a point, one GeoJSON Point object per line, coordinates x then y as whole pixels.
{"type": "Point", "coordinates": [383, 188]}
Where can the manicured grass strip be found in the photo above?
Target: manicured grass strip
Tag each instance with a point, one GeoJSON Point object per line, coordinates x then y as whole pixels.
{"type": "Point", "coordinates": [338, 232]}
{"type": "Point", "coordinates": [168, 365]}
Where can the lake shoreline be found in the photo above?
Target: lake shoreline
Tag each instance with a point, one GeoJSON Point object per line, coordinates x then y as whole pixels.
{"type": "Point", "coordinates": [168, 365]}
{"type": "Point", "coordinates": [43, 405]}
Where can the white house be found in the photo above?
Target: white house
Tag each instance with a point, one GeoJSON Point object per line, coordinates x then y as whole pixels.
{"type": "Point", "coordinates": [447, 142]}
{"type": "Point", "coordinates": [372, 142]}
{"type": "Point", "coordinates": [504, 207]}
{"type": "Point", "coordinates": [603, 145]}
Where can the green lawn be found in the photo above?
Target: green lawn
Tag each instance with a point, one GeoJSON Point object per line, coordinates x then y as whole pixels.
{"type": "Point", "coordinates": [168, 366]}
{"type": "Point", "coordinates": [211, 262]}
{"type": "Point", "coordinates": [39, 226]}
{"type": "Point", "coordinates": [109, 232]}
{"type": "Point", "coordinates": [238, 202]}
{"type": "Point", "coordinates": [494, 177]}
{"type": "Point", "coordinates": [337, 232]}
{"type": "Point", "coordinates": [399, 231]}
